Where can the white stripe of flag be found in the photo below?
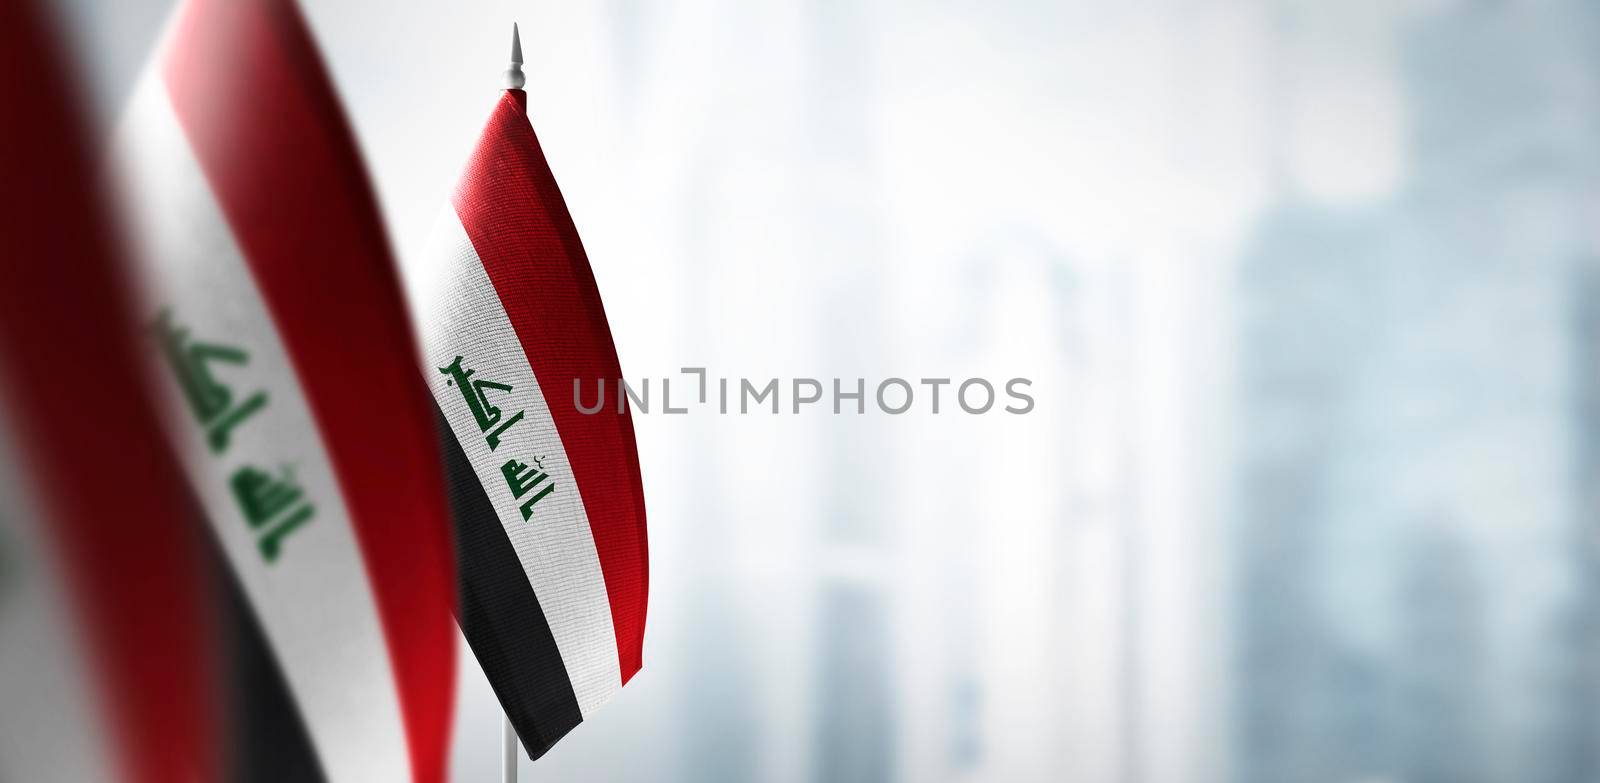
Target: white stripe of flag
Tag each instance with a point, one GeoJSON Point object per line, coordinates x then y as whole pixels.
{"type": "Point", "coordinates": [314, 601]}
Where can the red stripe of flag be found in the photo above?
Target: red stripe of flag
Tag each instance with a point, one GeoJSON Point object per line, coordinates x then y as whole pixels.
{"type": "Point", "coordinates": [519, 225]}
{"type": "Point", "coordinates": [259, 111]}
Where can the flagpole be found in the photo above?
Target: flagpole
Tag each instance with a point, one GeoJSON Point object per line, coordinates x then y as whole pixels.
{"type": "Point", "coordinates": [514, 80]}
{"type": "Point", "coordinates": [508, 751]}
{"type": "Point", "coordinates": [513, 76]}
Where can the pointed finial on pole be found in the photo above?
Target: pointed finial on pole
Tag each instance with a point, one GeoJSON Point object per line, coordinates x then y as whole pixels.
{"type": "Point", "coordinates": [514, 78]}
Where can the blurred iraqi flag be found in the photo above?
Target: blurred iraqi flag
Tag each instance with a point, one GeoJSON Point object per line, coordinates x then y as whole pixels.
{"type": "Point", "coordinates": [285, 357]}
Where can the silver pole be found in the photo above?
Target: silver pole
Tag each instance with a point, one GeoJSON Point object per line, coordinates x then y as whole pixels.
{"type": "Point", "coordinates": [508, 751]}
{"type": "Point", "coordinates": [508, 735]}
{"type": "Point", "coordinates": [514, 79]}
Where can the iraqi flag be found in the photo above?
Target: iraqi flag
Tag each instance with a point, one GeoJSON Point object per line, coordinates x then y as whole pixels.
{"type": "Point", "coordinates": [284, 355]}
{"type": "Point", "coordinates": [106, 644]}
{"type": "Point", "coordinates": [550, 520]}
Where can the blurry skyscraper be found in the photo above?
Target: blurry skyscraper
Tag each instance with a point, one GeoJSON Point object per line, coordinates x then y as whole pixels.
{"type": "Point", "coordinates": [1411, 455]}
{"type": "Point", "coordinates": [854, 720]}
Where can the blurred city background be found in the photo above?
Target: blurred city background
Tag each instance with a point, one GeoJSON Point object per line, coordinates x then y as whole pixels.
{"type": "Point", "coordinates": [1309, 292]}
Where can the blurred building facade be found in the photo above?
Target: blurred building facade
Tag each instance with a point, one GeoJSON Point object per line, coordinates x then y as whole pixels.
{"type": "Point", "coordinates": [1415, 432]}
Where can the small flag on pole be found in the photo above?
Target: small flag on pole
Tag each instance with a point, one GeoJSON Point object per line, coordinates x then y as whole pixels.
{"type": "Point", "coordinates": [283, 349]}
{"type": "Point", "coordinates": [550, 521]}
